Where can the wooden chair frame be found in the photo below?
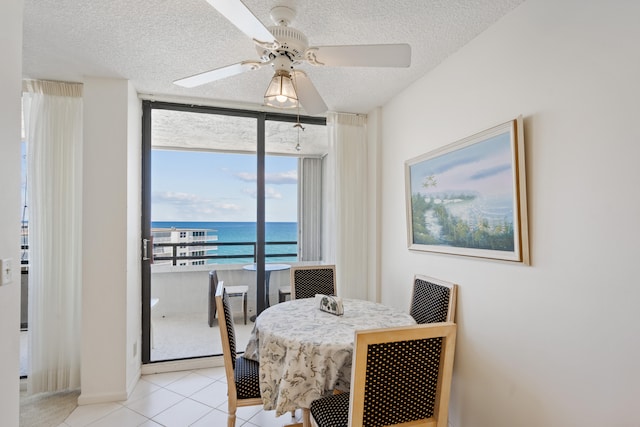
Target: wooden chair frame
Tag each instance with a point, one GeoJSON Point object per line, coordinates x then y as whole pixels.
{"type": "Point", "coordinates": [365, 338]}
{"type": "Point", "coordinates": [233, 291]}
{"type": "Point", "coordinates": [453, 294]}
{"type": "Point", "coordinates": [232, 393]}
{"type": "Point", "coordinates": [311, 267]}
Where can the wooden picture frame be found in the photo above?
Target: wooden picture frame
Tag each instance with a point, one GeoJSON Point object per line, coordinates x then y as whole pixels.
{"type": "Point", "coordinates": [469, 197]}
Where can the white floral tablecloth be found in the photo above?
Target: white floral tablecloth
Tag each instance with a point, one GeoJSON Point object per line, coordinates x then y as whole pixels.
{"type": "Point", "coordinates": [305, 353]}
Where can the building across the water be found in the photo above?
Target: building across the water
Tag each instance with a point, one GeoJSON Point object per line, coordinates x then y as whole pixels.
{"type": "Point", "coordinates": [189, 236]}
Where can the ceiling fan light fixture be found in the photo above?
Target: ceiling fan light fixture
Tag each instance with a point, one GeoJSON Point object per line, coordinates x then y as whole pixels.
{"type": "Point", "coordinates": [281, 93]}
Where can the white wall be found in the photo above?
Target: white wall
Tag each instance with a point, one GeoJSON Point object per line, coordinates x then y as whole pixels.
{"type": "Point", "coordinates": [556, 343]}
{"type": "Point", "coordinates": [10, 95]}
{"type": "Point", "coordinates": [134, 233]}
{"type": "Point", "coordinates": [110, 304]}
{"type": "Point", "coordinates": [192, 294]}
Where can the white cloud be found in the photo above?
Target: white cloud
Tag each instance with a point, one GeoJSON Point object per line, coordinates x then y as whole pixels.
{"type": "Point", "coordinates": [246, 176]}
{"type": "Point", "coordinates": [174, 197]}
{"type": "Point", "coordinates": [271, 193]}
{"type": "Point", "coordinates": [288, 177]}
{"type": "Point", "coordinates": [189, 206]}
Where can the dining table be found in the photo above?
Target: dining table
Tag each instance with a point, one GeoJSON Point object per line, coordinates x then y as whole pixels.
{"type": "Point", "coordinates": [305, 353]}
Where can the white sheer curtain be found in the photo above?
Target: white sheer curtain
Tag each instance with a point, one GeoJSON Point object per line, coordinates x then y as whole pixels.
{"type": "Point", "coordinates": [310, 208]}
{"type": "Point", "coordinates": [346, 241]}
{"type": "Point", "coordinates": [53, 125]}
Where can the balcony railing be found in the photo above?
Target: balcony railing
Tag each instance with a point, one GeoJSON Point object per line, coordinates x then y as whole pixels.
{"type": "Point", "coordinates": [251, 253]}
{"type": "Point", "coordinates": [174, 257]}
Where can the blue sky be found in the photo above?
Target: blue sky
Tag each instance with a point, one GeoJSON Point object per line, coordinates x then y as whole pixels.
{"type": "Point", "coordinates": [205, 186]}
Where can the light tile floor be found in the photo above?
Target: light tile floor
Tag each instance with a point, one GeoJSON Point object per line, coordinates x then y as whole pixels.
{"type": "Point", "coordinates": [195, 398]}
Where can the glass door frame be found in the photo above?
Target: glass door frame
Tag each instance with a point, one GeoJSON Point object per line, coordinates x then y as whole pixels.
{"type": "Point", "coordinates": [147, 251]}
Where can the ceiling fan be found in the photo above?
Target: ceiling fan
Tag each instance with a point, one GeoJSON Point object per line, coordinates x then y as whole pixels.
{"type": "Point", "coordinates": [285, 48]}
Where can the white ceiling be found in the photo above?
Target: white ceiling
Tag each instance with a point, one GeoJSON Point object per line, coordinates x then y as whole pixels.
{"type": "Point", "coordinates": [154, 42]}
{"type": "Point", "coordinates": [211, 132]}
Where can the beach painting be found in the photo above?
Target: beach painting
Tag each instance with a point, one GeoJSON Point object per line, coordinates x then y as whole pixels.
{"type": "Point", "coordinates": [469, 197]}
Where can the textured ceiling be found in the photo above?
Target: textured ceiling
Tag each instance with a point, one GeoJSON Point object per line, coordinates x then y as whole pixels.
{"type": "Point", "coordinates": [154, 42]}
{"type": "Point", "coordinates": [211, 132]}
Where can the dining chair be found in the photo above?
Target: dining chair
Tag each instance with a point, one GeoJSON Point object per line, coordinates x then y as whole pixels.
{"type": "Point", "coordinates": [309, 280]}
{"type": "Point", "coordinates": [433, 300]}
{"type": "Point", "coordinates": [232, 291]}
{"type": "Point", "coordinates": [243, 375]}
{"type": "Point", "coordinates": [400, 375]}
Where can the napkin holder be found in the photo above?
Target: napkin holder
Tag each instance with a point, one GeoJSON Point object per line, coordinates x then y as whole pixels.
{"type": "Point", "coordinates": [329, 303]}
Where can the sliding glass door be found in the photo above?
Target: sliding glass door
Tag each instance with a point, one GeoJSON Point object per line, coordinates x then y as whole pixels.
{"type": "Point", "coordinates": [220, 193]}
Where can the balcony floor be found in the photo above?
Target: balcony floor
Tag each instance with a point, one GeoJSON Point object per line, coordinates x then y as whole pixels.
{"type": "Point", "coordinates": [189, 335]}
{"type": "Point", "coordinates": [176, 337]}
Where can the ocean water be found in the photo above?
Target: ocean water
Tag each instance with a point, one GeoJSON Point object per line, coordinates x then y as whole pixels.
{"type": "Point", "coordinates": [243, 232]}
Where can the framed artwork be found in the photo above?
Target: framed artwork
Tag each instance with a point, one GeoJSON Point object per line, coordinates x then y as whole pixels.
{"type": "Point", "coordinates": [469, 197]}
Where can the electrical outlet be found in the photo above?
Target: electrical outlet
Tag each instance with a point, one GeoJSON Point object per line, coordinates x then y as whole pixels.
{"type": "Point", "coordinates": [6, 271]}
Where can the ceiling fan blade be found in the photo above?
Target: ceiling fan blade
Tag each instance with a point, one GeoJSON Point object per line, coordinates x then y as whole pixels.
{"type": "Point", "coordinates": [307, 93]}
{"type": "Point", "coordinates": [218, 74]}
{"type": "Point", "coordinates": [369, 55]}
{"type": "Point", "coordinates": [240, 16]}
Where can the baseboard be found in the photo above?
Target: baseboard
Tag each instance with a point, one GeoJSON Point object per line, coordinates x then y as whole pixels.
{"type": "Point", "coordinates": [85, 399]}
{"type": "Point", "coordinates": [182, 365]}
{"type": "Point", "coordinates": [152, 368]}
